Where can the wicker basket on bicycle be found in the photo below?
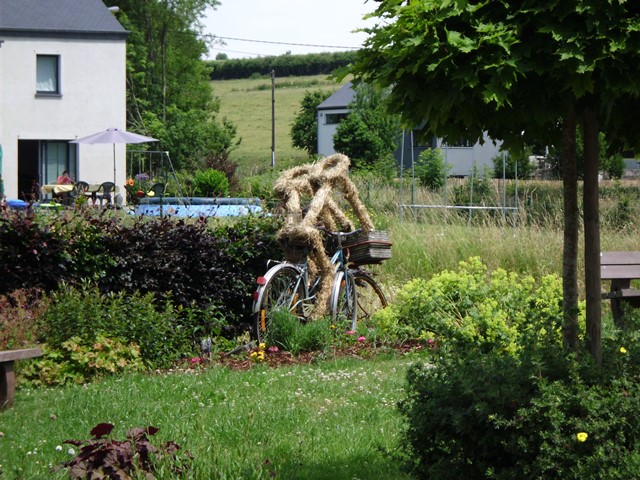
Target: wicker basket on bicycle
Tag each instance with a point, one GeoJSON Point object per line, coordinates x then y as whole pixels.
{"type": "Point", "coordinates": [369, 248]}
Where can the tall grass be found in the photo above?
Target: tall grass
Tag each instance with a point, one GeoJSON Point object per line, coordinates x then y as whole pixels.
{"type": "Point", "coordinates": [332, 420]}
{"type": "Point", "coordinates": [529, 241]}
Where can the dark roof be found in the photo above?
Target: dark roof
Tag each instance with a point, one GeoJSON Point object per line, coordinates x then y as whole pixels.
{"type": "Point", "coordinates": [59, 19]}
{"type": "Point", "coordinates": [341, 99]}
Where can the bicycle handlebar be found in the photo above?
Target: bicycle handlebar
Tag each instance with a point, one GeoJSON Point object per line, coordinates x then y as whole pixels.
{"type": "Point", "coordinates": [339, 234]}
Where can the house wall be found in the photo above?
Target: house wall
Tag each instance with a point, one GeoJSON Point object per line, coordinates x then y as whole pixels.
{"type": "Point", "coordinates": [460, 159]}
{"type": "Point", "coordinates": [327, 131]}
{"type": "Point", "coordinates": [93, 98]}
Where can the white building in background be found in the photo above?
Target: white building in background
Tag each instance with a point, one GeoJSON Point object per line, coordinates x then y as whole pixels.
{"type": "Point", "coordinates": [62, 76]}
{"type": "Point", "coordinates": [461, 157]}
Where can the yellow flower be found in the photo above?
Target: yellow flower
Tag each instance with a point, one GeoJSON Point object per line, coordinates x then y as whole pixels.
{"type": "Point", "coordinates": [253, 354]}
{"type": "Point", "coordinates": [262, 346]}
{"type": "Point", "coordinates": [623, 350]}
{"type": "Point", "coordinates": [582, 437]}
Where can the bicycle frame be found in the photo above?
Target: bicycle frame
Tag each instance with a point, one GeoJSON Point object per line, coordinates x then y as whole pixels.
{"type": "Point", "coordinates": [338, 258]}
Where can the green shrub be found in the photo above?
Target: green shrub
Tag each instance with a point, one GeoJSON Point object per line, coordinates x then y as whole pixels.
{"type": "Point", "coordinates": [473, 310]}
{"type": "Point", "coordinates": [512, 165]}
{"type": "Point", "coordinates": [501, 417]}
{"type": "Point", "coordinates": [134, 318]}
{"type": "Point", "coordinates": [506, 403]}
{"type": "Point", "coordinates": [80, 360]}
{"type": "Point", "coordinates": [210, 183]}
{"type": "Point", "coordinates": [431, 169]}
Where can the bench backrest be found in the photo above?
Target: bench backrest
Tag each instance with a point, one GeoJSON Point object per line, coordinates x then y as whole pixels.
{"type": "Point", "coordinates": [11, 355]}
{"type": "Point", "coordinates": [615, 265]}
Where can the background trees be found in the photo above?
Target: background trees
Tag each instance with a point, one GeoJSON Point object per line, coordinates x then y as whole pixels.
{"type": "Point", "coordinates": [168, 91]}
{"type": "Point", "coordinates": [304, 130]}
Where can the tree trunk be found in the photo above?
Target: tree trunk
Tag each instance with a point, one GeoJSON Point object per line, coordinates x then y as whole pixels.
{"type": "Point", "coordinates": [592, 235]}
{"type": "Point", "coordinates": [570, 253]}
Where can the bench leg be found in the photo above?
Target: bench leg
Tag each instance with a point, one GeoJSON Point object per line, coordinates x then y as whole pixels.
{"type": "Point", "coordinates": [616, 303]}
{"type": "Point", "coordinates": [7, 384]}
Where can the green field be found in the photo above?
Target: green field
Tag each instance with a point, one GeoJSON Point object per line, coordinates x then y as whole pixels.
{"type": "Point", "coordinates": [247, 103]}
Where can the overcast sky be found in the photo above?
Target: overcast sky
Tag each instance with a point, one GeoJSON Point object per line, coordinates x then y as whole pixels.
{"type": "Point", "coordinates": [329, 23]}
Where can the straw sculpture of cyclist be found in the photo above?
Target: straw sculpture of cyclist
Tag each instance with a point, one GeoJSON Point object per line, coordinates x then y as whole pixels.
{"type": "Point", "coordinates": [320, 182]}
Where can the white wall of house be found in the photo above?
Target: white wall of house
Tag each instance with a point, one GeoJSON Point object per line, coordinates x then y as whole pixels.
{"type": "Point", "coordinates": [462, 159]}
{"type": "Point", "coordinates": [93, 98]}
{"type": "Point", "coordinates": [326, 131]}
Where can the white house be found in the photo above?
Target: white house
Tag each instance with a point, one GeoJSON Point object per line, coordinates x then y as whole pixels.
{"type": "Point", "coordinates": [461, 157]}
{"type": "Point", "coordinates": [62, 76]}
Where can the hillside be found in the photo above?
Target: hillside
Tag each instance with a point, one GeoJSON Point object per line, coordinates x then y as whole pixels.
{"type": "Point", "coordinates": [247, 103]}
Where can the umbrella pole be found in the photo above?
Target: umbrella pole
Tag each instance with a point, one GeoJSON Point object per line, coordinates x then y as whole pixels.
{"type": "Point", "coordinates": [114, 163]}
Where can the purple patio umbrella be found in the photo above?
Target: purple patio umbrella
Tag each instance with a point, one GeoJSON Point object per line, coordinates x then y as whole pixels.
{"type": "Point", "coordinates": [114, 135]}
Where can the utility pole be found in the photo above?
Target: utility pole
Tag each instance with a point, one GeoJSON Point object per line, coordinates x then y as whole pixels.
{"type": "Point", "coordinates": [273, 118]}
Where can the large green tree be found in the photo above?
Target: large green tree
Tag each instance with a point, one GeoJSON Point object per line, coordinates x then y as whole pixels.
{"type": "Point", "coordinates": [524, 72]}
{"type": "Point", "coordinates": [168, 91]}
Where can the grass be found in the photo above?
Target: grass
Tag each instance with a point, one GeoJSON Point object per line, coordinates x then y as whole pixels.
{"type": "Point", "coordinates": [333, 420]}
{"type": "Point", "coordinates": [247, 103]}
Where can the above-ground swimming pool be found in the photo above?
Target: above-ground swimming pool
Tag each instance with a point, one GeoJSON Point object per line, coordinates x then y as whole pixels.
{"type": "Point", "coordinates": [198, 206]}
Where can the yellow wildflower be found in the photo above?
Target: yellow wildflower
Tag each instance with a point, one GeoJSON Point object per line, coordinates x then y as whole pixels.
{"type": "Point", "coordinates": [582, 437]}
{"type": "Point", "coordinates": [623, 350]}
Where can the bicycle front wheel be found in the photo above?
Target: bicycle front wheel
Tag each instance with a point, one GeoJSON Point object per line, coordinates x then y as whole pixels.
{"type": "Point", "coordinates": [343, 304]}
{"type": "Point", "coordinates": [282, 291]}
{"type": "Point", "coordinates": [371, 298]}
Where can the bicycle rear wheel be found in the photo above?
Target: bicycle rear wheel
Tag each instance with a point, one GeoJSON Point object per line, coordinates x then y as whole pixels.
{"type": "Point", "coordinates": [371, 298]}
{"type": "Point", "coordinates": [343, 299]}
{"type": "Point", "coordinates": [282, 291]}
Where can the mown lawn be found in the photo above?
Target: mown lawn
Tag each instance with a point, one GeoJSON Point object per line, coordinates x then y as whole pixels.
{"type": "Point", "coordinates": [335, 419]}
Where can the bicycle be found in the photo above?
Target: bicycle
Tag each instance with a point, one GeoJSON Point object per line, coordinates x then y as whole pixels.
{"type": "Point", "coordinates": [286, 287]}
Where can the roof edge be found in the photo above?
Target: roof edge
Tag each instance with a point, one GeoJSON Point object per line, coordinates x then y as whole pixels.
{"type": "Point", "coordinates": [101, 35]}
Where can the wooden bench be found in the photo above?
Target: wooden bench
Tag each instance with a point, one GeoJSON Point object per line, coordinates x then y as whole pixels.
{"type": "Point", "coordinates": [8, 376]}
{"type": "Point", "coordinates": [621, 268]}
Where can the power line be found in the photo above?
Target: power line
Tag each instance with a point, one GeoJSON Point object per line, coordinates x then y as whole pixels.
{"type": "Point", "coordinates": [240, 51]}
{"type": "Point", "coordinates": [280, 43]}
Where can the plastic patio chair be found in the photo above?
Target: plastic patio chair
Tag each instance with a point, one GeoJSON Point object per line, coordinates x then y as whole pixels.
{"type": "Point", "coordinates": [157, 189]}
{"type": "Point", "coordinates": [80, 189]}
{"type": "Point", "coordinates": [105, 192]}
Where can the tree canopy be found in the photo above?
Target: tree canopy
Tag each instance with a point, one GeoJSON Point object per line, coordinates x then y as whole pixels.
{"type": "Point", "coordinates": [472, 65]}
{"type": "Point", "coordinates": [523, 72]}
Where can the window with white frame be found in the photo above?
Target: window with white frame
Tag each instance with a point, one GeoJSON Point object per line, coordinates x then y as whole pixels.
{"type": "Point", "coordinates": [48, 75]}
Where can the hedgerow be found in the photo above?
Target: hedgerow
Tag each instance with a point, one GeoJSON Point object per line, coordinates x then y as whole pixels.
{"type": "Point", "coordinates": [190, 262]}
